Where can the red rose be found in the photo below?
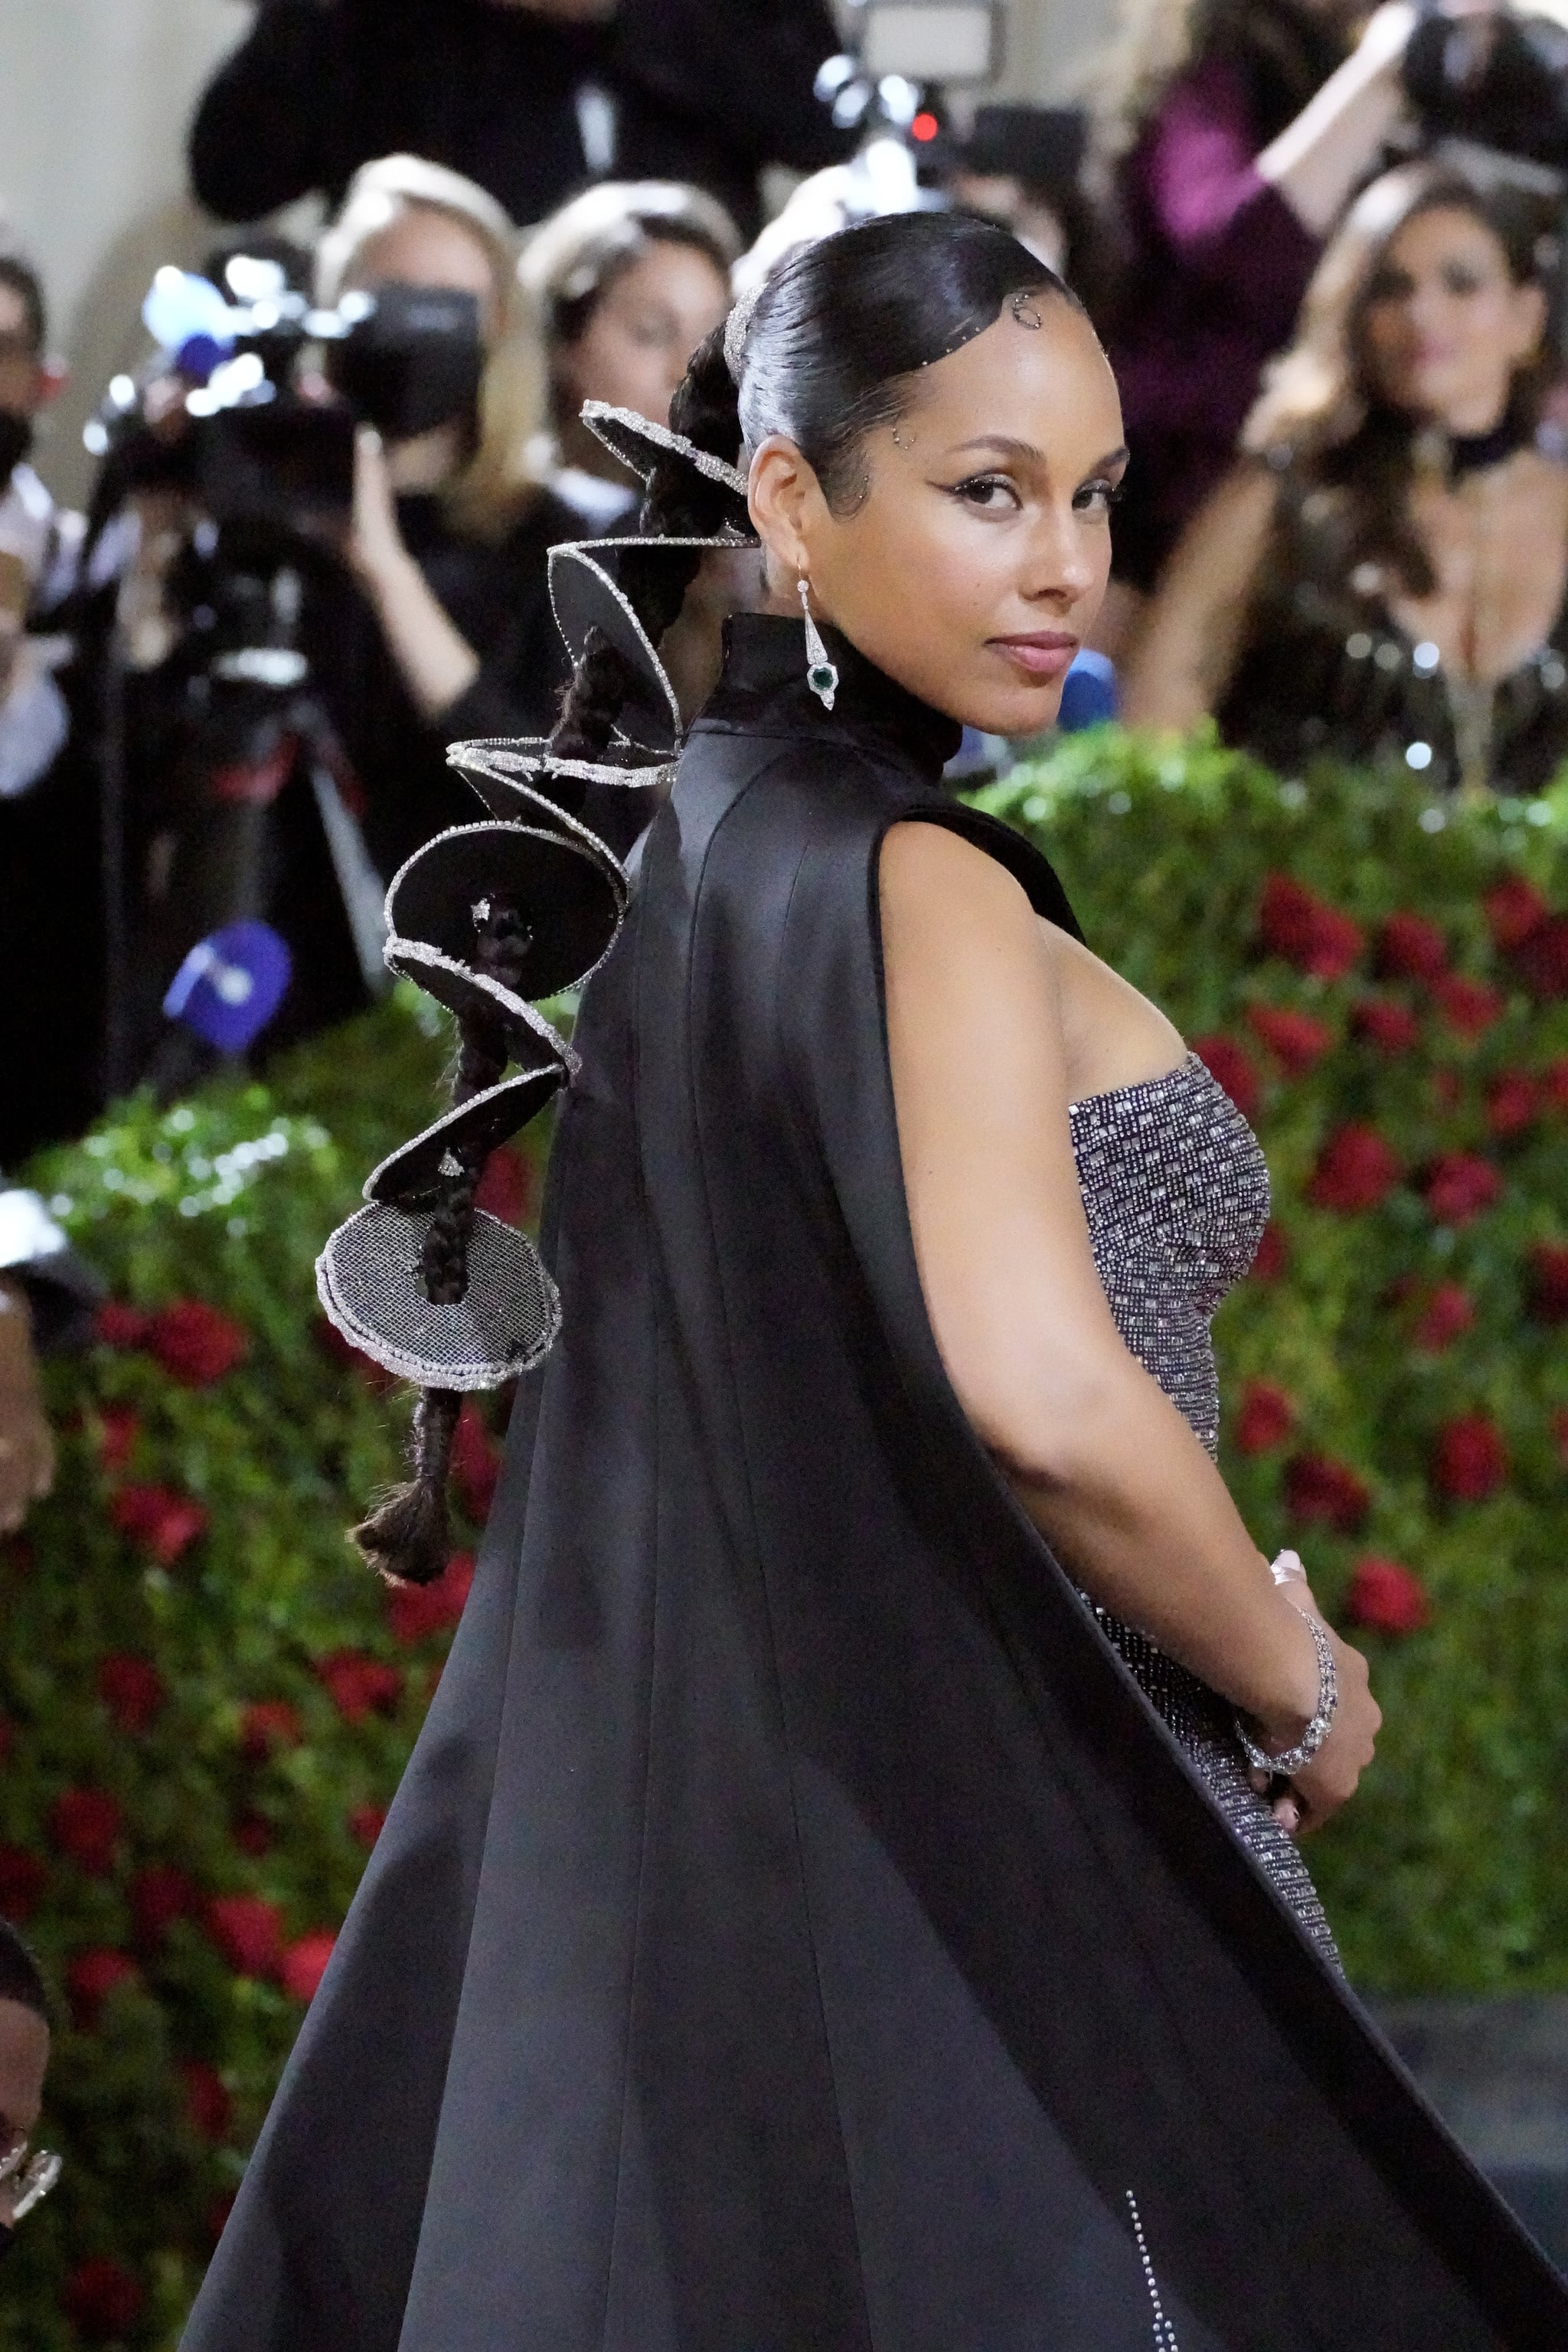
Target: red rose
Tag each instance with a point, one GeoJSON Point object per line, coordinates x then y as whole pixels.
{"type": "Point", "coordinates": [360, 1686]}
{"type": "Point", "coordinates": [115, 1325]}
{"type": "Point", "coordinates": [1227, 1065]}
{"type": "Point", "coordinates": [210, 2110]}
{"type": "Point", "coordinates": [253, 1835]}
{"type": "Point", "coordinates": [1447, 1312]}
{"type": "Point", "coordinates": [332, 1343]}
{"type": "Point", "coordinates": [366, 1824]}
{"type": "Point", "coordinates": [117, 1429]}
{"type": "Point", "coordinates": [1513, 1101]}
{"type": "Point", "coordinates": [1411, 948]}
{"type": "Point", "coordinates": [166, 1522]}
{"type": "Point", "coordinates": [305, 1964]}
{"type": "Point", "coordinates": [103, 2300]}
{"type": "Point", "coordinates": [85, 1826]}
{"type": "Point", "coordinates": [1306, 931]}
{"type": "Point", "coordinates": [1387, 1597]}
{"type": "Point", "coordinates": [1547, 1282]}
{"type": "Point", "coordinates": [1272, 1257]}
{"type": "Point", "coordinates": [1392, 1028]}
{"type": "Point", "coordinates": [267, 1725]}
{"type": "Point", "coordinates": [248, 1932]}
{"type": "Point", "coordinates": [1470, 1461]}
{"type": "Point", "coordinates": [476, 1464]}
{"type": "Point", "coordinates": [1265, 1417]}
{"type": "Point", "coordinates": [1468, 1006]}
{"type": "Point", "coordinates": [1513, 908]}
{"type": "Point", "coordinates": [195, 1343]}
{"type": "Point", "coordinates": [1318, 1488]}
{"type": "Point", "coordinates": [22, 1882]}
{"type": "Point", "coordinates": [417, 1612]}
{"type": "Point", "coordinates": [1554, 1085]}
{"type": "Point", "coordinates": [91, 1977]}
{"type": "Point", "coordinates": [1356, 1169]}
{"type": "Point", "coordinates": [1294, 1038]}
{"type": "Point", "coordinates": [1542, 959]}
{"type": "Point", "coordinates": [507, 1188]}
{"type": "Point", "coordinates": [158, 1897]}
{"type": "Point", "coordinates": [1458, 1186]}
{"type": "Point", "coordinates": [132, 1691]}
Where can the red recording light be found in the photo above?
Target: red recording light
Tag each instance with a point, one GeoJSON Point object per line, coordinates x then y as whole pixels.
{"type": "Point", "coordinates": [924, 127]}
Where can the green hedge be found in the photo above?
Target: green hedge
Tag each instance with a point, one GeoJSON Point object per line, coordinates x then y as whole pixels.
{"type": "Point", "coordinates": [207, 1701]}
{"type": "Point", "coordinates": [1398, 1372]}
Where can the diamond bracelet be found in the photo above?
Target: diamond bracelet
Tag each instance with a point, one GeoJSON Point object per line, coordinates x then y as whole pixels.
{"type": "Point", "coordinates": [1317, 1731]}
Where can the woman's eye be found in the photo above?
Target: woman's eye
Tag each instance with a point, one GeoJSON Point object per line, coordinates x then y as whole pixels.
{"type": "Point", "coordinates": [1461, 281]}
{"type": "Point", "coordinates": [991, 493]}
{"type": "Point", "coordinates": [1097, 496]}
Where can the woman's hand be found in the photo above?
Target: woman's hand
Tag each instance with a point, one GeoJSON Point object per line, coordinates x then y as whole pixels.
{"type": "Point", "coordinates": [27, 1447]}
{"type": "Point", "coordinates": [1332, 1777]}
{"type": "Point", "coordinates": [375, 547]}
{"type": "Point", "coordinates": [435, 659]}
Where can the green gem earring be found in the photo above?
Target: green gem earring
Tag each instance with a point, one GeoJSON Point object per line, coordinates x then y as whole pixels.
{"type": "Point", "coordinates": [820, 674]}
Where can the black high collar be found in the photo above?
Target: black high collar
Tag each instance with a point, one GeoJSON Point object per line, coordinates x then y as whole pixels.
{"type": "Point", "coordinates": [762, 690]}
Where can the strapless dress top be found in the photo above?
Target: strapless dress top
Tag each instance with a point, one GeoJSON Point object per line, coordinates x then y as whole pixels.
{"type": "Point", "coordinates": [1175, 1191]}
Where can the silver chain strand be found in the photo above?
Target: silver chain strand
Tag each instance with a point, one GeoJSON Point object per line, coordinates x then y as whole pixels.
{"type": "Point", "coordinates": [1295, 1759]}
{"type": "Point", "coordinates": [1164, 2334]}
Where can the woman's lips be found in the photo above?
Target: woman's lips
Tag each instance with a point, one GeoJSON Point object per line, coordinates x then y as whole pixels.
{"type": "Point", "coordinates": [1044, 656]}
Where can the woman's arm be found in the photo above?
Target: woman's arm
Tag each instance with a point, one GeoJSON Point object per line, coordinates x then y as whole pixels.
{"type": "Point", "coordinates": [1095, 1453]}
{"type": "Point", "coordinates": [1187, 651]}
{"type": "Point", "coordinates": [1316, 160]}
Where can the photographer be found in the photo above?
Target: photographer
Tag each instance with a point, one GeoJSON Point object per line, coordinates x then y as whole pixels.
{"type": "Point", "coordinates": [529, 98]}
{"type": "Point", "coordinates": [48, 854]}
{"type": "Point", "coordinates": [296, 656]}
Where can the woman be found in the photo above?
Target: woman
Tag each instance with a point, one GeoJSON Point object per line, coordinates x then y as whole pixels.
{"type": "Point", "coordinates": [1233, 133]}
{"type": "Point", "coordinates": [796, 1926]}
{"type": "Point", "coordinates": [1384, 575]}
{"type": "Point", "coordinates": [451, 635]}
{"type": "Point", "coordinates": [625, 281]}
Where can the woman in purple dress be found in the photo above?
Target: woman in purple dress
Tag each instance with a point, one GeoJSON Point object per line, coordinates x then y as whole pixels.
{"type": "Point", "coordinates": [1235, 131]}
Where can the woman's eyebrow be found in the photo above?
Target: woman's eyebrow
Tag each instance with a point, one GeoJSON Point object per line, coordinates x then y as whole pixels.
{"type": "Point", "coordinates": [1030, 454]}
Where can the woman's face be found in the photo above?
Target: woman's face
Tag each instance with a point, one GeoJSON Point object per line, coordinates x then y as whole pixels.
{"type": "Point", "coordinates": [636, 346]}
{"type": "Point", "coordinates": [974, 564]}
{"type": "Point", "coordinates": [1444, 326]}
{"type": "Point", "coordinates": [426, 248]}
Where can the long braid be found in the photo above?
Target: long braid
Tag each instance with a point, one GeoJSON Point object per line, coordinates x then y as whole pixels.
{"type": "Point", "coordinates": [406, 1538]}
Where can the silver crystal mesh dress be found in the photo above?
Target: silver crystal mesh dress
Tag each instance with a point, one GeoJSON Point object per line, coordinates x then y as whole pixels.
{"type": "Point", "coordinates": [1176, 1194]}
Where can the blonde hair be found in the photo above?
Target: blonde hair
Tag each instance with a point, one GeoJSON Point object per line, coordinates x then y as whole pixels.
{"type": "Point", "coordinates": [499, 481]}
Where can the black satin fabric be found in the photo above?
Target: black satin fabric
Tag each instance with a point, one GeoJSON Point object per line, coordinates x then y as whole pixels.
{"type": "Point", "coordinates": [795, 1932]}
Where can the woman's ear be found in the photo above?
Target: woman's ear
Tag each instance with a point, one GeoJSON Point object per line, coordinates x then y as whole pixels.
{"type": "Point", "coordinates": [1531, 310]}
{"type": "Point", "coordinates": [782, 495]}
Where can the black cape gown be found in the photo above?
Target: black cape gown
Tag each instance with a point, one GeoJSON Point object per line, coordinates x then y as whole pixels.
{"type": "Point", "coordinates": [795, 1932]}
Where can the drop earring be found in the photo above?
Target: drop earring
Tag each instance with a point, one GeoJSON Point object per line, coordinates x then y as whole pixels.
{"type": "Point", "coordinates": [820, 674]}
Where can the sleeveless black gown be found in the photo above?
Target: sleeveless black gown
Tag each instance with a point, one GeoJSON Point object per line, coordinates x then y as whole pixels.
{"type": "Point", "coordinates": [796, 1931]}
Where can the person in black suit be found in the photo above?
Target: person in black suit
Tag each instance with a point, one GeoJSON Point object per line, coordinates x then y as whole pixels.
{"type": "Point", "coordinates": [529, 98]}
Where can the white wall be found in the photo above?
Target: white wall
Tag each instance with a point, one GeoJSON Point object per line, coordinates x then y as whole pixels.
{"type": "Point", "coordinates": [94, 98]}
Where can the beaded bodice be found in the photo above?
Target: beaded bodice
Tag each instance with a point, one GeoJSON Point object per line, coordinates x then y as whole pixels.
{"type": "Point", "coordinates": [1176, 1194]}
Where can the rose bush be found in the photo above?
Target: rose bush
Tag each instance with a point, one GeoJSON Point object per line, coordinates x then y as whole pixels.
{"type": "Point", "coordinates": [1381, 985]}
{"type": "Point", "coordinates": [206, 1700]}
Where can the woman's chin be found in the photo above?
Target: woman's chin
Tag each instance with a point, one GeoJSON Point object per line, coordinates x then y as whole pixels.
{"type": "Point", "coordinates": [1010, 711]}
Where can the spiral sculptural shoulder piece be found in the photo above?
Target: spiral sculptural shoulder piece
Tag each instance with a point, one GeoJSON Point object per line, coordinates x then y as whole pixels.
{"type": "Point", "coordinates": [490, 920]}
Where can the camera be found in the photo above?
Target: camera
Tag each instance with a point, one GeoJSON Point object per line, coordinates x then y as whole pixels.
{"type": "Point", "coordinates": [274, 388]}
{"type": "Point", "coordinates": [1498, 82]}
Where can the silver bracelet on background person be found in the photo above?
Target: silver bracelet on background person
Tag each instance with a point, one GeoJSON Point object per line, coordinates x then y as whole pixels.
{"type": "Point", "coordinates": [1287, 1569]}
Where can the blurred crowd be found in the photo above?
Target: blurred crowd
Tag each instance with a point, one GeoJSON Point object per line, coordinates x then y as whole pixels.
{"type": "Point", "coordinates": [1322, 244]}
